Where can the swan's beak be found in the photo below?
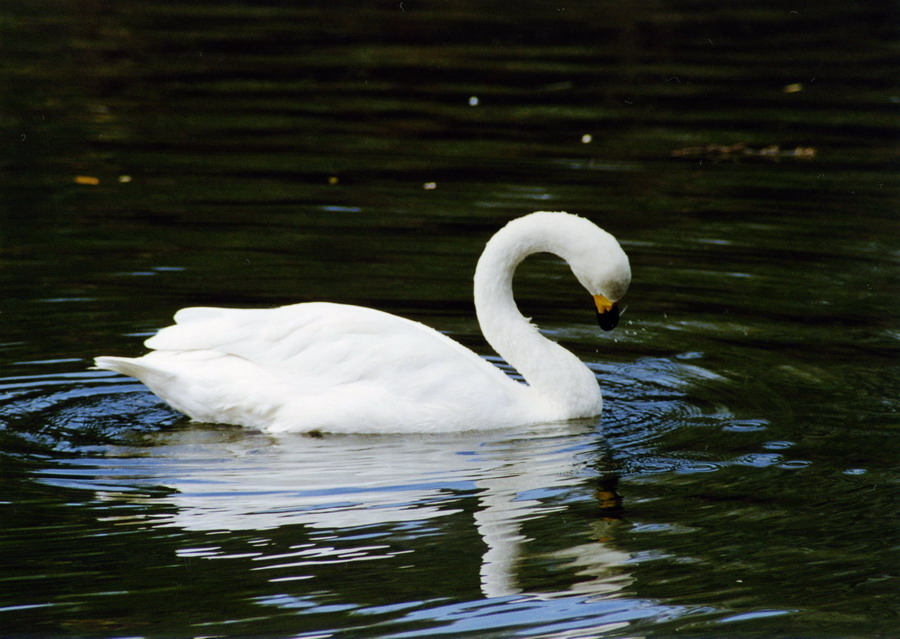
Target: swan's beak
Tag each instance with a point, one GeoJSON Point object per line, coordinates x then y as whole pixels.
{"type": "Point", "coordinates": [607, 312]}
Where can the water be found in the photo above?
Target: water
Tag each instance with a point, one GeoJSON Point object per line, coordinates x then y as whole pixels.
{"type": "Point", "coordinates": [742, 478]}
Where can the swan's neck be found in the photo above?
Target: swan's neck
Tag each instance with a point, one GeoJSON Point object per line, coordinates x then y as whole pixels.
{"type": "Point", "coordinates": [558, 379]}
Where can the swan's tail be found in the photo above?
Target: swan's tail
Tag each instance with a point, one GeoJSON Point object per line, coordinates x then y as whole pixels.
{"type": "Point", "coordinates": [137, 368]}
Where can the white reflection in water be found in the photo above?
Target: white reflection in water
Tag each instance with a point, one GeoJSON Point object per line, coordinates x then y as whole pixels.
{"type": "Point", "coordinates": [504, 506]}
{"type": "Point", "coordinates": [227, 480]}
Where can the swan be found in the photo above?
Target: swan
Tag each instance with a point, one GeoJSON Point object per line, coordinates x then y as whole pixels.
{"type": "Point", "coordinates": [324, 367]}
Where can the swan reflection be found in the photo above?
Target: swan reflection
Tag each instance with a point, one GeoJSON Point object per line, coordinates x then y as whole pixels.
{"type": "Point", "coordinates": [231, 480]}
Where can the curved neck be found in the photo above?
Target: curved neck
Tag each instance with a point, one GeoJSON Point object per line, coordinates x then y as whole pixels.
{"type": "Point", "coordinates": [558, 378]}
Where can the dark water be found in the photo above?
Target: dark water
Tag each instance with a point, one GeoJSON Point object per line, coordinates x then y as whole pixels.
{"type": "Point", "coordinates": [742, 480]}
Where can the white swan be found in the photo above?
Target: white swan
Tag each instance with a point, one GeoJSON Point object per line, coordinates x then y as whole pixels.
{"type": "Point", "coordinates": [337, 368]}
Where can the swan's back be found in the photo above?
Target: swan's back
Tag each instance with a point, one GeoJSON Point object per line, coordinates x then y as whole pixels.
{"type": "Point", "coordinates": [321, 366]}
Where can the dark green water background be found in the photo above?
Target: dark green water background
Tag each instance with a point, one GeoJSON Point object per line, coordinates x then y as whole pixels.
{"type": "Point", "coordinates": [161, 154]}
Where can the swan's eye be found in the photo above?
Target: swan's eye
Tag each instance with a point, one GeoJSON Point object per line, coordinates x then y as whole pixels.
{"type": "Point", "coordinates": [607, 313]}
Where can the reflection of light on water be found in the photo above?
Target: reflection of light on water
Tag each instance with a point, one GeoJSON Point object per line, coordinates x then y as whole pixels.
{"type": "Point", "coordinates": [252, 482]}
{"type": "Point", "coordinates": [306, 514]}
{"type": "Point", "coordinates": [322, 520]}
{"type": "Point", "coordinates": [505, 505]}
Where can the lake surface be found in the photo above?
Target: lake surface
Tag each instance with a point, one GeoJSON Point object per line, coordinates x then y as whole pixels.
{"type": "Point", "coordinates": [742, 480]}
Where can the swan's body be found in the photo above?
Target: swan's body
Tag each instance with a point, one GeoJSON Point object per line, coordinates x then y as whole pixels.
{"type": "Point", "coordinates": [339, 368]}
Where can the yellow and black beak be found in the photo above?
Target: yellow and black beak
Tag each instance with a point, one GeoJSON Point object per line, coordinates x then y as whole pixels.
{"type": "Point", "coordinates": [607, 312]}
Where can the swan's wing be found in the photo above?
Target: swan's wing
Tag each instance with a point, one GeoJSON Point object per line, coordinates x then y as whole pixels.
{"type": "Point", "coordinates": [320, 366]}
{"type": "Point", "coordinates": [333, 344]}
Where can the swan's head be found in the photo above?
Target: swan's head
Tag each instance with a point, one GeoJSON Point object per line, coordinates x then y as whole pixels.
{"type": "Point", "coordinates": [606, 277]}
{"type": "Point", "coordinates": [598, 262]}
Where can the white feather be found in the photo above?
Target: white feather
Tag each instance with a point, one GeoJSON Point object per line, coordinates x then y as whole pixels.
{"type": "Point", "coordinates": [339, 368]}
